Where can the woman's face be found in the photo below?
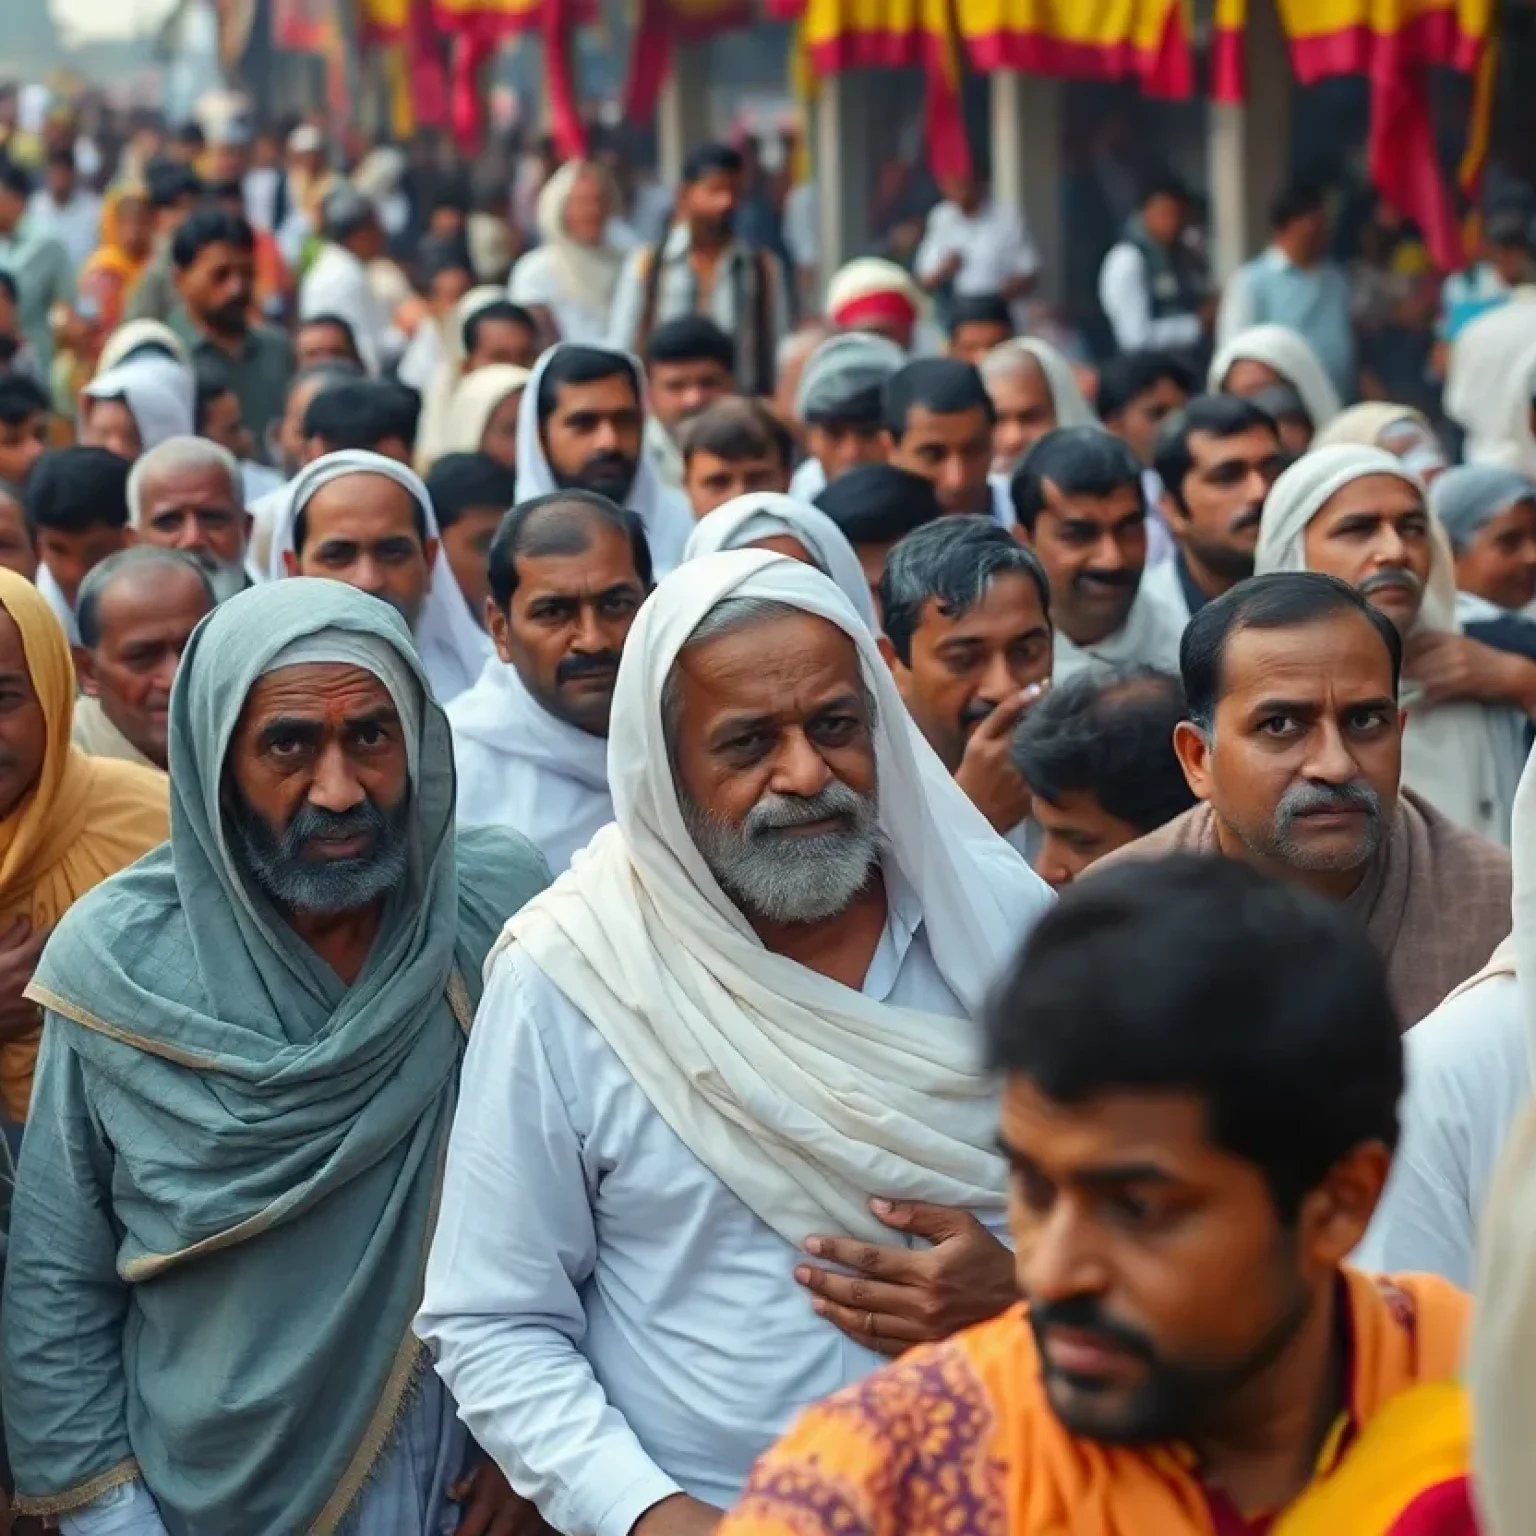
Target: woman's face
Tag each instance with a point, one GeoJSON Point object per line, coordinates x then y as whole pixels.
{"type": "Point", "coordinates": [110, 424]}
{"type": "Point", "coordinates": [586, 210]}
{"type": "Point", "coordinates": [135, 226]}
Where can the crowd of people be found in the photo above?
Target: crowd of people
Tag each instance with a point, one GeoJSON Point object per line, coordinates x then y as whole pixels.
{"type": "Point", "coordinates": [642, 897]}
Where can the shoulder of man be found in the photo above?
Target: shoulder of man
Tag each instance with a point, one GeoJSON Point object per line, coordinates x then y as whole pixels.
{"type": "Point", "coordinates": [499, 872]}
{"type": "Point", "coordinates": [1189, 832]}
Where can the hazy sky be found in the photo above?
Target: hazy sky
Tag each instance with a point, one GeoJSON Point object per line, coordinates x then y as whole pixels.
{"type": "Point", "coordinates": [82, 21]}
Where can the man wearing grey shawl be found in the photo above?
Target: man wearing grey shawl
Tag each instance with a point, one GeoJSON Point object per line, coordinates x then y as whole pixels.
{"type": "Point", "coordinates": [249, 1069]}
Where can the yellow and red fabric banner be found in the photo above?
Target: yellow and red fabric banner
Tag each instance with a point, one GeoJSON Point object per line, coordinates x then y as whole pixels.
{"type": "Point", "coordinates": [1143, 40]}
{"type": "Point", "coordinates": [1228, 76]}
{"type": "Point", "coordinates": [1395, 43]}
{"type": "Point", "coordinates": [660, 26]}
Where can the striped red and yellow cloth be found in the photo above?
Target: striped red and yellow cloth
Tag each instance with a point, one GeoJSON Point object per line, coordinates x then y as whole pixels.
{"type": "Point", "coordinates": [661, 26]}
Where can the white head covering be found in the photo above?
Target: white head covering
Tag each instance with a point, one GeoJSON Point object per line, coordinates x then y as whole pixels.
{"type": "Point", "coordinates": [663, 514]}
{"type": "Point", "coordinates": [453, 648]}
{"type": "Point", "coordinates": [868, 275]}
{"type": "Point", "coordinates": [1464, 758]}
{"type": "Point", "coordinates": [1067, 400]}
{"type": "Point", "coordinates": [1376, 423]}
{"type": "Point", "coordinates": [741, 522]}
{"type": "Point", "coordinates": [141, 333]}
{"type": "Point", "coordinates": [159, 394]}
{"type": "Point", "coordinates": [436, 421]}
{"type": "Point", "coordinates": [1280, 348]}
{"type": "Point", "coordinates": [843, 365]}
{"type": "Point", "coordinates": [1483, 357]}
{"type": "Point", "coordinates": [474, 401]}
{"type": "Point", "coordinates": [805, 1097]}
{"type": "Point", "coordinates": [588, 274]}
{"type": "Point", "coordinates": [1507, 439]}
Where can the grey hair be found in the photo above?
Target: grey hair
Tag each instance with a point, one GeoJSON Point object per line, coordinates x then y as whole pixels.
{"type": "Point", "coordinates": [727, 616]}
{"type": "Point", "coordinates": [176, 454]}
{"type": "Point", "coordinates": [1008, 361]}
{"type": "Point", "coordinates": [137, 557]}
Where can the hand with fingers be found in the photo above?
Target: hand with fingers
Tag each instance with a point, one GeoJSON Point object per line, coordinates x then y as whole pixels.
{"type": "Point", "coordinates": [488, 1506]}
{"type": "Point", "coordinates": [895, 1297]}
{"type": "Point", "coordinates": [987, 773]}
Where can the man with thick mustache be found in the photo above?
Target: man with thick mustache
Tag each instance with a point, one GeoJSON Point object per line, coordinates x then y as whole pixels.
{"type": "Point", "coordinates": [1216, 460]}
{"type": "Point", "coordinates": [1080, 506]}
{"type": "Point", "coordinates": [1359, 514]}
{"type": "Point", "coordinates": [581, 427]}
{"type": "Point", "coordinates": [1294, 745]}
{"type": "Point", "coordinates": [727, 1063]}
{"type": "Point", "coordinates": [568, 573]}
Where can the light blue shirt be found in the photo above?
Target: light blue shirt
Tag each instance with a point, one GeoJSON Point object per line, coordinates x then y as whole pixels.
{"type": "Point", "coordinates": [1312, 301]}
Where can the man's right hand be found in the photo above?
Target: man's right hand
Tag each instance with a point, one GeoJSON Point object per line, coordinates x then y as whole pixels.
{"type": "Point", "coordinates": [20, 946]}
{"type": "Point", "coordinates": [678, 1516]}
{"type": "Point", "coordinates": [987, 773]}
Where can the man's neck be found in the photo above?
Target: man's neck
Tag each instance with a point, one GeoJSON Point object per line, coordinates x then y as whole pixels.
{"type": "Point", "coordinates": [1263, 1449]}
{"type": "Point", "coordinates": [232, 344]}
{"type": "Point", "coordinates": [840, 947]}
{"type": "Point", "coordinates": [707, 246]}
{"type": "Point", "coordinates": [341, 939]}
{"type": "Point", "coordinates": [1330, 884]}
{"type": "Point", "coordinates": [1297, 255]}
{"type": "Point", "coordinates": [1202, 575]}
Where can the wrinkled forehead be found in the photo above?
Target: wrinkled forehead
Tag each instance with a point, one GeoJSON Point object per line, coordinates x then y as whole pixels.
{"type": "Point", "coordinates": [1335, 661]}
{"type": "Point", "coordinates": [1382, 495]}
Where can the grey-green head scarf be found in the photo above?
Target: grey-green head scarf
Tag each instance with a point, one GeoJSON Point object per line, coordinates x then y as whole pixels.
{"type": "Point", "coordinates": [276, 1136]}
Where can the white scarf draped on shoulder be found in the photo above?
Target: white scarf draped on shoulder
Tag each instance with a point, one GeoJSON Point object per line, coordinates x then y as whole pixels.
{"type": "Point", "coordinates": [805, 1097]}
{"type": "Point", "coordinates": [453, 648]}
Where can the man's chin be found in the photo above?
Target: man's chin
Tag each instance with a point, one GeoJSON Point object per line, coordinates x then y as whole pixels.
{"type": "Point", "coordinates": [1109, 1416]}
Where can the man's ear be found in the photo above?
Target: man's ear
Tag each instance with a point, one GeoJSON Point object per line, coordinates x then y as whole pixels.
{"type": "Point", "coordinates": [1192, 747]}
{"type": "Point", "coordinates": [85, 670]}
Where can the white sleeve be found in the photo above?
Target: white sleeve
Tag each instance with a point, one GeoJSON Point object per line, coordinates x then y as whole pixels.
{"type": "Point", "coordinates": [934, 250]}
{"type": "Point", "coordinates": [1237, 312]}
{"type": "Point", "coordinates": [1024, 258]}
{"type": "Point", "coordinates": [502, 1309]}
{"type": "Point", "coordinates": [629, 300]}
{"type": "Point", "coordinates": [1123, 297]}
{"type": "Point", "coordinates": [127, 1510]}
{"type": "Point", "coordinates": [532, 281]}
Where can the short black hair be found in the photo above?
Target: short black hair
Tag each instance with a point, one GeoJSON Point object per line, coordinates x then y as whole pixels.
{"type": "Point", "coordinates": [879, 503]}
{"type": "Point", "coordinates": [712, 157]}
{"type": "Point", "coordinates": [211, 384]}
{"type": "Point", "coordinates": [21, 397]}
{"type": "Point", "coordinates": [1126, 377]}
{"type": "Point", "coordinates": [1078, 461]}
{"type": "Point", "coordinates": [1297, 201]}
{"type": "Point", "coordinates": [14, 177]}
{"type": "Point", "coordinates": [1279, 600]}
{"type": "Point", "coordinates": [72, 489]}
{"type": "Point", "coordinates": [190, 134]}
{"type": "Point", "coordinates": [736, 428]}
{"type": "Point", "coordinates": [460, 482]}
{"type": "Point", "coordinates": [169, 182]}
{"type": "Point", "coordinates": [943, 385]}
{"type": "Point", "coordinates": [1111, 736]}
{"type": "Point", "coordinates": [500, 309]}
{"type": "Point", "coordinates": [580, 365]}
{"type": "Point", "coordinates": [690, 339]}
{"type": "Point", "coordinates": [1278, 1019]}
{"type": "Point", "coordinates": [60, 155]}
{"type": "Point", "coordinates": [362, 413]}
{"type": "Point", "coordinates": [953, 561]}
{"type": "Point", "coordinates": [1219, 415]}
{"type": "Point", "coordinates": [979, 309]}
{"type": "Point", "coordinates": [340, 322]}
{"type": "Point", "coordinates": [552, 534]}
{"type": "Point", "coordinates": [330, 372]}
{"type": "Point", "coordinates": [1162, 184]}
{"type": "Point", "coordinates": [141, 556]}
{"type": "Point", "coordinates": [210, 226]}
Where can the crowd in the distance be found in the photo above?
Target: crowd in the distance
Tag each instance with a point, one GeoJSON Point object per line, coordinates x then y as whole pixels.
{"type": "Point", "coordinates": [594, 874]}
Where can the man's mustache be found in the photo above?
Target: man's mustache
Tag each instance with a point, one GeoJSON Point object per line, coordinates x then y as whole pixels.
{"type": "Point", "coordinates": [1083, 1314]}
{"type": "Point", "coordinates": [598, 664]}
{"type": "Point", "coordinates": [1120, 579]}
{"type": "Point", "coordinates": [1249, 517]}
{"type": "Point", "coordinates": [1397, 579]}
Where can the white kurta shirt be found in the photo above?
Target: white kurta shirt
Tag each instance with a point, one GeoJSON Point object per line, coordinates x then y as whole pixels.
{"type": "Point", "coordinates": [614, 1324]}
{"type": "Point", "coordinates": [1469, 1076]}
{"type": "Point", "coordinates": [1149, 638]}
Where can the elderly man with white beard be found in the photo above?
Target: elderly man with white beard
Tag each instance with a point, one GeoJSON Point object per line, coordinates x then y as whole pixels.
{"type": "Point", "coordinates": [187, 494]}
{"type": "Point", "coordinates": [735, 1038]}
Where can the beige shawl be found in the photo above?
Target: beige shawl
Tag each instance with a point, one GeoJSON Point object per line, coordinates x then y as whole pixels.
{"type": "Point", "coordinates": [96, 736]}
{"type": "Point", "coordinates": [1435, 899]}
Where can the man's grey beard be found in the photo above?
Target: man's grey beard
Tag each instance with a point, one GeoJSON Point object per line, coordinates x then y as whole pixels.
{"type": "Point", "coordinates": [226, 579]}
{"type": "Point", "coordinates": [276, 862]}
{"type": "Point", "coordinates": [1299, 800]}
{"type": "Point", "coordinates": [790, 879]}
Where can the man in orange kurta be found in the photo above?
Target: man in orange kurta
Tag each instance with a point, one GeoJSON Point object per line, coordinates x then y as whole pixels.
{"type": "Point", "coordinates": [1202, 1071]}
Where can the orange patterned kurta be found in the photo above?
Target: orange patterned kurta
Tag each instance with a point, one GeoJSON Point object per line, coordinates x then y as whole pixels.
{"type": "Point", "coordinates": [958, 1440]}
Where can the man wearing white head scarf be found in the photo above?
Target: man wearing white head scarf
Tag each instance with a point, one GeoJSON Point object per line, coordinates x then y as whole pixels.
{"type": "Point", "coordinates": [568, 573]}
{"type": "Point", "coordinates": [437, 398]}
{"type": "Point", "coordinates": [741, 1021]}
{"type": "Point", "coordinates": [1481, 374]}
{"type": "Point", "coordinates": [483, 414]}
{"type": "Point", "coordinates": [573, 273]}
{"type": "Point", "coordinates": [838, 403]}
{"type": "Point", "coordinates": [581, 426]}
{"type": "Point", "coordinates": [788, 526]}
{"type": "Point", "coordinates": [154, 397]}
{"type": "Point", "coordinates": [1359, 514]}
{"type": "Point", "coordinates": [1034, 391]}
{"type": "Point", "coordinates": [453, 647]}
{"type": "Point", "coordinates": [1264, 356]}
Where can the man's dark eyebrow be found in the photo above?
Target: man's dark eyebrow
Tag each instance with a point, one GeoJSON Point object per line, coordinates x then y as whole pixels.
{"type": "Point", "coordinates": [285, 727]}
{"type": "Point", "coordinates": [1092, 1178]}
{"type": "Point", "coordinates": [381, 714]}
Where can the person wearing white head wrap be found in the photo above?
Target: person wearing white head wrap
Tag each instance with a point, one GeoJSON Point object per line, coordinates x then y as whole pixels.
{"type": "Point", "coordinates": [766, 520]}
{"type": "Point", "coordinates": [1282, 356]}
{"type": "Point", "coordinates": [838, 402]}
{"type": "Point", "coordinates": [146, 334]}
{"type": "Point", "coordinates": [437, 398]}
{"type": "Point", "coordinates": [664, 514]}
{"type": "Point", "coordinates": [692, 1099]}
{"type": "Point", "coordinates": [573, 273]}
{"type": "Point", "coordinates": [476, 421]}
{"type": "Point", "coordinates": [1481, 371]}
{"type": "Point", "coordinates": [1489, 515]}
{"type": "Point", "coordinates": [1462, 756]}
{"type": "Point", "coordinates": [1400, 429]}
{"type": "Point", "coordinates": [1034, 390]}
{"type": "Point", "coordinates": [452, 646]}
{"type": "Point", "coordinates": [157, 393]}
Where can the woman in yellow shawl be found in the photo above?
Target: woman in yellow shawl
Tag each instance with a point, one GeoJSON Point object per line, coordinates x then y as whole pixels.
{"type": "Point", "coordinates": [67, 821]}
{"type": "Point", "coordinates": [111, 270]}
